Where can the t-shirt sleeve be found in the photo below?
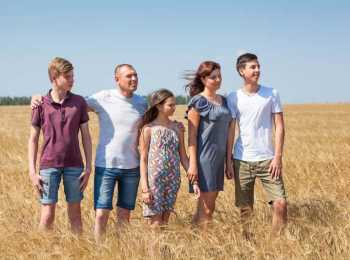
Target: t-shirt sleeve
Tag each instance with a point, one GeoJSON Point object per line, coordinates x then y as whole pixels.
{"type": "Point", "coordinates": [276, 102]}
{"type": "Point", "coordinates": [84, 113]}
{"type": "Point", "coordinates": [199, 103]}
{"type": "Point", "coordinates": [36, 117]}
{"type": "Point", "coordinates": [94, 101]}
{"type": "Point", "coordinates": [232, 105]}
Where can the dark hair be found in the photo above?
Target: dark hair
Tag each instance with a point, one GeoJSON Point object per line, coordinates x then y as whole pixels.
{"type": "Point", "coordinates": [243, 59]}
{"type": "Point", "coordinates": [195, 84]}
{"type": "Point", "coordinates": [157, 98]}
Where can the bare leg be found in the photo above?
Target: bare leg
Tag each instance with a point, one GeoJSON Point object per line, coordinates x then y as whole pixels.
{"type": "Point", "coordinates": [74, 215]}
{"type": "Point", "coordinates": [246, 221]}
{"type": "Point", "coordinates": [123, 216]}
{"type": "Point", "coordinates": [206, 207]}
{"type": "Point", "coordinates": [47, 216]}
{"type": "Point", "coordinates": [165, 217]}
{"type": "Point", "coordinates": [279, 219]}
{"type": "Point", "coordinates": [101, 220]}
{"type": "Point", "coordinates": [156, 221]}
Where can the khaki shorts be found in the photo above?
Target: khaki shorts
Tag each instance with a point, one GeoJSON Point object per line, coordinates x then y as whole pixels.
{"type": "Point", "coordinates": [245, 174]}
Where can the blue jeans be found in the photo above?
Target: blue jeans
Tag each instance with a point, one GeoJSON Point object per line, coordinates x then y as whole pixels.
{"type": "Point", "coordinates": [105, 181]}
{"type": "Point", "coordinates": [51, 182]}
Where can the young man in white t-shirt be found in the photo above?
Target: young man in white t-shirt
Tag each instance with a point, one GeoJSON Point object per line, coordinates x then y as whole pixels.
{"type": "Point", "coordinates": [257, 111]}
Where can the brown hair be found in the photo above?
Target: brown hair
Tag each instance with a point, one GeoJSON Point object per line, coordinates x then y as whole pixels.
{"type": "Point", "coordinates": [243, 60]}
{"type": "Point", "coordinates": [59, 66]}
{"type": "Point", "coordinates": [157, 98]}
{"type": "Point", "coordinates": [195, 84]}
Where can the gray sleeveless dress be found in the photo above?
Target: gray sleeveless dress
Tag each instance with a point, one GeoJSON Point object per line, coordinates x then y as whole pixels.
{"type": "Point", "coordinates": [211, 142]}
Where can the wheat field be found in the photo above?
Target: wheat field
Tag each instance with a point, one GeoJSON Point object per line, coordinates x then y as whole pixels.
{"type": "Point", "coordinates": [316, 174]}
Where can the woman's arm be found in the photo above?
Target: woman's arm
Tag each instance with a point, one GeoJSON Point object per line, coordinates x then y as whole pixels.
{"type": "Point", "coordinates": [193, 123]}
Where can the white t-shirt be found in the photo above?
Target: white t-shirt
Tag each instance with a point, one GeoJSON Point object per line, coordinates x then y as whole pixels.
{"type": "Point", "coordinates": [254, 115]}
{"type": "Point", "coordinates": [119, 118]}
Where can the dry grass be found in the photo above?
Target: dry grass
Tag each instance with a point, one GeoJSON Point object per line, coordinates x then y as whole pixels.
{"type": "Point", "coordinates": [317, 177]}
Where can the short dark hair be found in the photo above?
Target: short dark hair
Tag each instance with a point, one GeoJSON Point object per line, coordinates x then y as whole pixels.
{"type": "Point", "coordinates": [119, 66]}
{"type": "Point", "coordinates": [243, 59]}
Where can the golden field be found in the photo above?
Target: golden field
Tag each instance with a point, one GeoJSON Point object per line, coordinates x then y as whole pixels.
{"type": "Point", "coordinates": [316, 174]}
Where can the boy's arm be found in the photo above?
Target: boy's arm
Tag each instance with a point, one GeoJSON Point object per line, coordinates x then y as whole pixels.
{"type": "Point", "coordinates": [276, 164]}
{"type": "Point", "coordinates": [86, 140]}
{"type": "Point", "coordinates": [229, 148]}
{"type": "Point", "coordinates": [32, 157]}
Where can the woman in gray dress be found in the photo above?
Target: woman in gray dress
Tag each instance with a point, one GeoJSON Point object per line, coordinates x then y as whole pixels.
{"type": "Point", "coordinates": [209, 122]}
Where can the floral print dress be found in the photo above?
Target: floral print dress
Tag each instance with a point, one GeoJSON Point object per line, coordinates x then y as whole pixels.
{"type": "Point", "coordinates": [163, 170]}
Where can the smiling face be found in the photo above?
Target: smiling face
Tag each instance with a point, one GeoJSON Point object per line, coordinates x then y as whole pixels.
{"type": "Point", "coordinates": [127, 79]}
{"type": "Point", "coordinates": [251, 71]}
{"type": "Point", "coordinates": [168, 107]}
{"type": "Point", "coordinates": [212, 81]}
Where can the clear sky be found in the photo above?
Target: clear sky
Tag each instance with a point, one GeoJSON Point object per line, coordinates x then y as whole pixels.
{"type": "Point", "coordinates": [303, 46]}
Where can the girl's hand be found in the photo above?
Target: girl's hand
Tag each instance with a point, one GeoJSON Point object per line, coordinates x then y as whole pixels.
{"type": "Point", "coordinates": [192, 174]}
{"type": "Point", "coordinates": [180, 126]}
{"type": "Point", "coordinates": [147, 197]}
{"type": "Point", "coordinates": [196, 190]}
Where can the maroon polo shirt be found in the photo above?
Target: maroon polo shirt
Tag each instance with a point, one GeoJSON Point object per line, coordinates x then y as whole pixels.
{"type": "Point", "coordinates": [60, 124]}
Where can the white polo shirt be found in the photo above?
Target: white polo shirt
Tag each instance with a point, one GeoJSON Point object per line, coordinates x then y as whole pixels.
{"type": "Point", "coordinates": [254, 115]}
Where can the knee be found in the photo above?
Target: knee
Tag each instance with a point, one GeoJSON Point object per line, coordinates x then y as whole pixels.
{"type": "Point", "coordinates": [101, 216]}
{"type": "Point", "coordinates": [280, 206]}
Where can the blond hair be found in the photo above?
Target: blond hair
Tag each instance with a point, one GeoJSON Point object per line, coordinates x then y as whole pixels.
{"type": "Point", "coordinates": [59, 66]}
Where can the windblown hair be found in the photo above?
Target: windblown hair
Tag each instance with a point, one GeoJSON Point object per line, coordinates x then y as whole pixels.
{"type": "Point", "coordinates": [59, 66]}
{"type": "Point", "coordinates": [157, 98]}
{"type": "Point", "coordinates": [195, 84]}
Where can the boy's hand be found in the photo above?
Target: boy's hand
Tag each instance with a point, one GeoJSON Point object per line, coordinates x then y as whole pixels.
{"type": "Point", "coordinates": [229, 170]}
{"type": "Point", "coordinates": [147, 197]}
{"type": "Point", "coordinates": [275, 168]}
{"type": "Point", "coordinates": [84, 179]}
{"type": "Point", "coordinates": [196, 190]}
{"type": "Point", "coordinates": [36, 101]}
{"type": "Point", "coordinates": [37, 182]}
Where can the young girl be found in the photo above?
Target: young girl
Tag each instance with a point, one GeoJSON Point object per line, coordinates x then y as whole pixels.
{"type": "Point", "coordinates": [161, 149]}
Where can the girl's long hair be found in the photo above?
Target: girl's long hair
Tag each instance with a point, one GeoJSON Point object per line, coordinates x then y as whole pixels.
{"type": "Point", "coordinates": [157, 98]}
{"type": "Point", "coordinates": [195, 84]}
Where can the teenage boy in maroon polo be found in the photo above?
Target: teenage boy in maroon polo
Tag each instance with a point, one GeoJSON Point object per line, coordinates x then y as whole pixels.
{"type": "Point", "coordinates": [61, 115]}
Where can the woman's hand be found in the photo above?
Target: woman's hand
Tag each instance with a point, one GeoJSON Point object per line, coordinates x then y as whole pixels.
{"type": "Point", "coordinates": [192, 174]}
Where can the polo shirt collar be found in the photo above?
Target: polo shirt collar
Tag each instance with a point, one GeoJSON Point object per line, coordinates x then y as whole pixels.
{"type": "Point", "coordinates": [49, 98]}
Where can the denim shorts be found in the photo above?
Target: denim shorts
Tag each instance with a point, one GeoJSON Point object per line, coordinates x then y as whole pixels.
{"type": "Point", "coordinates": [105, 181]}
{"type": "Point", "coordinates": [51, 179]}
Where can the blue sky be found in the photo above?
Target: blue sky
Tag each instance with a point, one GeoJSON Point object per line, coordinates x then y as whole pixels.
{"type": "Point", "coordinates": [303, 46]}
